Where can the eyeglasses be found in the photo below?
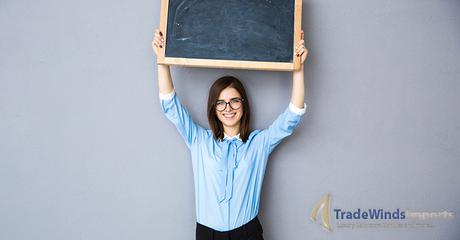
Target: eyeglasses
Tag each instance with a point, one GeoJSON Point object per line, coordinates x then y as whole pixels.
{"type": "Point", "coordinates": [235, 103]}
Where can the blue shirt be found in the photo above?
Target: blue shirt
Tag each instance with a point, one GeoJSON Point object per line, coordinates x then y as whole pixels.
{"type": "Point", "coordinates": [228, 174]}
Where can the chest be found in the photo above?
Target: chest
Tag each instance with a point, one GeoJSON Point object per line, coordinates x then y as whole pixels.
{"type": "Point", "coordinates": [218, 155]}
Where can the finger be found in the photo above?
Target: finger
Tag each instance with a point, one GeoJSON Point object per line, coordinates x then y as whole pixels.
{"type": "Point", "coordinates": [159, 41]}
{"type": "Point", "coordinates": [159, 37]}
{"type": "Point", "coordinates": [303, 54]}
{"type": "Point", "coordinates": [302, 34]}
{"type": "Point", "coordinates": [297, 48]}
{"type": "Point", "coordinates": [160, 45]}
{"type": "Point", "coordinates": [300, 49]}
{"type": "Point", "coordinates": [158, 33]}
{"type": "Point", "coordinates": [299, 52]}
{"type": "Point", "coordinates": [299, 45]}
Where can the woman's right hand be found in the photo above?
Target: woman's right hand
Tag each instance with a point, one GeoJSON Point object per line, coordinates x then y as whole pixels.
{"type": "Point", "coordinates": [158, 41]}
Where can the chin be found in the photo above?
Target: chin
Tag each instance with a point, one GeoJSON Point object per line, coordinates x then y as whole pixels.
{"type": "Point", "coordinates": [232, 124]}
{"type": "Point", "coordinates": [229, 123]}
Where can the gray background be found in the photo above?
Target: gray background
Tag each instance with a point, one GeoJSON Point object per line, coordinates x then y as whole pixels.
{"type": "Point", "coordinates": [86, 153]}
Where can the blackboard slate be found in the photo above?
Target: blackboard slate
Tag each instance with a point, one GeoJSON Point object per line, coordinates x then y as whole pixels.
{"type": "Point", "coordinates": [253, 30]}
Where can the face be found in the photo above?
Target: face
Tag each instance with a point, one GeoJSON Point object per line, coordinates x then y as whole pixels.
{"type": "Point", "coordinates": [230, 117]}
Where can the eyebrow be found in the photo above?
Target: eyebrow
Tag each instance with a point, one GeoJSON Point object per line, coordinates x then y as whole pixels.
{"type": "Point", "coordinates": [230, 99]}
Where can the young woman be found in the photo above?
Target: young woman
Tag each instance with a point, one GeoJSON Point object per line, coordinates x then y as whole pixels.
{"type": "Point", "coordinates": [229, 159]}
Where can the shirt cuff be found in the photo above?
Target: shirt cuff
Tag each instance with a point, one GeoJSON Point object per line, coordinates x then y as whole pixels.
{"type": "Point", "coordinates": [167, 96]}
{"type": "Point", "coordinates": [296, 110]}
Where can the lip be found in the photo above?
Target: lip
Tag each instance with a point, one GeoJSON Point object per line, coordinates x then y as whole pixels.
{"type": "Point", "coordinates": [228, 115]}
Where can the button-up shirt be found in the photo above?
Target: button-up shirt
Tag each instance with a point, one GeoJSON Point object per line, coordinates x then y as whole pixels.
{"type": "Point", "coordinates": [228, 173]}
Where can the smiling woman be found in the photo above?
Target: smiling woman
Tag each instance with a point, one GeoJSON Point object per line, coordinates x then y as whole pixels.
{"type": "Point", "coordinates": [228, 108]}
{"type": "Point", "coordinates": [229, 159]}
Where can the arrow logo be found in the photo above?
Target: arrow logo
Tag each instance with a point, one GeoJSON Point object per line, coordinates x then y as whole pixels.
{"type": "Point", "coordinates": [322, 209]}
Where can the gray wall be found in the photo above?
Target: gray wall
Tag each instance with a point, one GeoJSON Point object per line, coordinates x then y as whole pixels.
{"type": "Point", "coordinates": [86, 153]}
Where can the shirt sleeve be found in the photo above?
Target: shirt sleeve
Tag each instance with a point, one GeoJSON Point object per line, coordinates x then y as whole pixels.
{"type": "Point", "coordinates": [283, 126]}
{"type": "Point", "coordinates": [179, 116]}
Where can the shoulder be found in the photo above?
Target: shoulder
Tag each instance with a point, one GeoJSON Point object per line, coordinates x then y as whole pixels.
{"type": "Point", "coordinates": [208, 132]}
{"type": "Point", "coordinates": [257, 133]}
{"type": "Point", "coordinates": [207, 135]}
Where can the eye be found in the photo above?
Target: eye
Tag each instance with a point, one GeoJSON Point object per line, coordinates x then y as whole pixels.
{"type": "Point", "coordinates": [220, 103]}
{"type": "Point", "coordinates": [235, 100]}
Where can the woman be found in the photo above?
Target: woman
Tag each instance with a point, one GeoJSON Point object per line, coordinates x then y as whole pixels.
{"type": "Point", "coordinates": [228, 159]}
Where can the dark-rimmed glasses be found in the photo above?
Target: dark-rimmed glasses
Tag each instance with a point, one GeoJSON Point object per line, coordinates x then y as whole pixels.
{"type": "Point", "coordinates": [235, 104]}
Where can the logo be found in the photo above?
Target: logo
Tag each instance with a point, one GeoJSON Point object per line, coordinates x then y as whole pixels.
{"type": "Point", "coordinates": [361, 217]}
{"type": "Point", "coordinates": [322, 210]}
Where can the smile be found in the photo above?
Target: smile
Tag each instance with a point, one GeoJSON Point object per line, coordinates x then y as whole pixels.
{"type": "Point", "coordinates": [229, 115]}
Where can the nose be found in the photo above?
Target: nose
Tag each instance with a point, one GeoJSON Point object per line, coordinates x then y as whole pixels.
{"type": "Point", "coordinates": [228, 108]}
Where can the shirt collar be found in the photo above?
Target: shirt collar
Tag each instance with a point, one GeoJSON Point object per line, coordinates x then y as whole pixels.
{"type": "Point", "coordinates": [230, 138]}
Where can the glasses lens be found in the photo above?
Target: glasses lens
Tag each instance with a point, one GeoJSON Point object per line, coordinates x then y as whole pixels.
{"type": "Point", "coordinates": [235, 103]}
{"type": "Point", "coordinates": [220, 105]}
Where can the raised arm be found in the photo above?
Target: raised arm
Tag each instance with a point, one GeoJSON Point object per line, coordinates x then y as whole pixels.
{"type": "Point", "coordinates": [170, 103]}
{"type": "Point", "coordinates": [298, 86]}
{"type": "Point", "coordinates": [287, 121]}
{"type": "Point", "coordinates": [165, 83]}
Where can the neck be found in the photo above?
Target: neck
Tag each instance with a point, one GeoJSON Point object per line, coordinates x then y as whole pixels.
{"type": "Point", "coordinates": [232, 131]}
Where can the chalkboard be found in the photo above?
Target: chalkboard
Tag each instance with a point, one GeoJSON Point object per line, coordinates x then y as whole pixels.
{"type": "Point", "coordinates": [249, 34]}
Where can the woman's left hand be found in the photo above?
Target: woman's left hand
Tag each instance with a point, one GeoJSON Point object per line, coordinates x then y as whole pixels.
{"type": "Point", "coordinates": [300, 49]}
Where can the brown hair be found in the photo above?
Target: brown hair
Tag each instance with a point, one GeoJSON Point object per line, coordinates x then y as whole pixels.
{"type": "Point", "coordinates": [214, 92]}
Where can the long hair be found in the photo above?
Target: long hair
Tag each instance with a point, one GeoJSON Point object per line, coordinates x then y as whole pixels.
{"type": "Point", "coordinates": [214, 92]}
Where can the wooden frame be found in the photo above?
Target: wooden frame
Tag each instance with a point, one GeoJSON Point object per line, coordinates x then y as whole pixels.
{"type": "Point", "coordinates": [236, 64]}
